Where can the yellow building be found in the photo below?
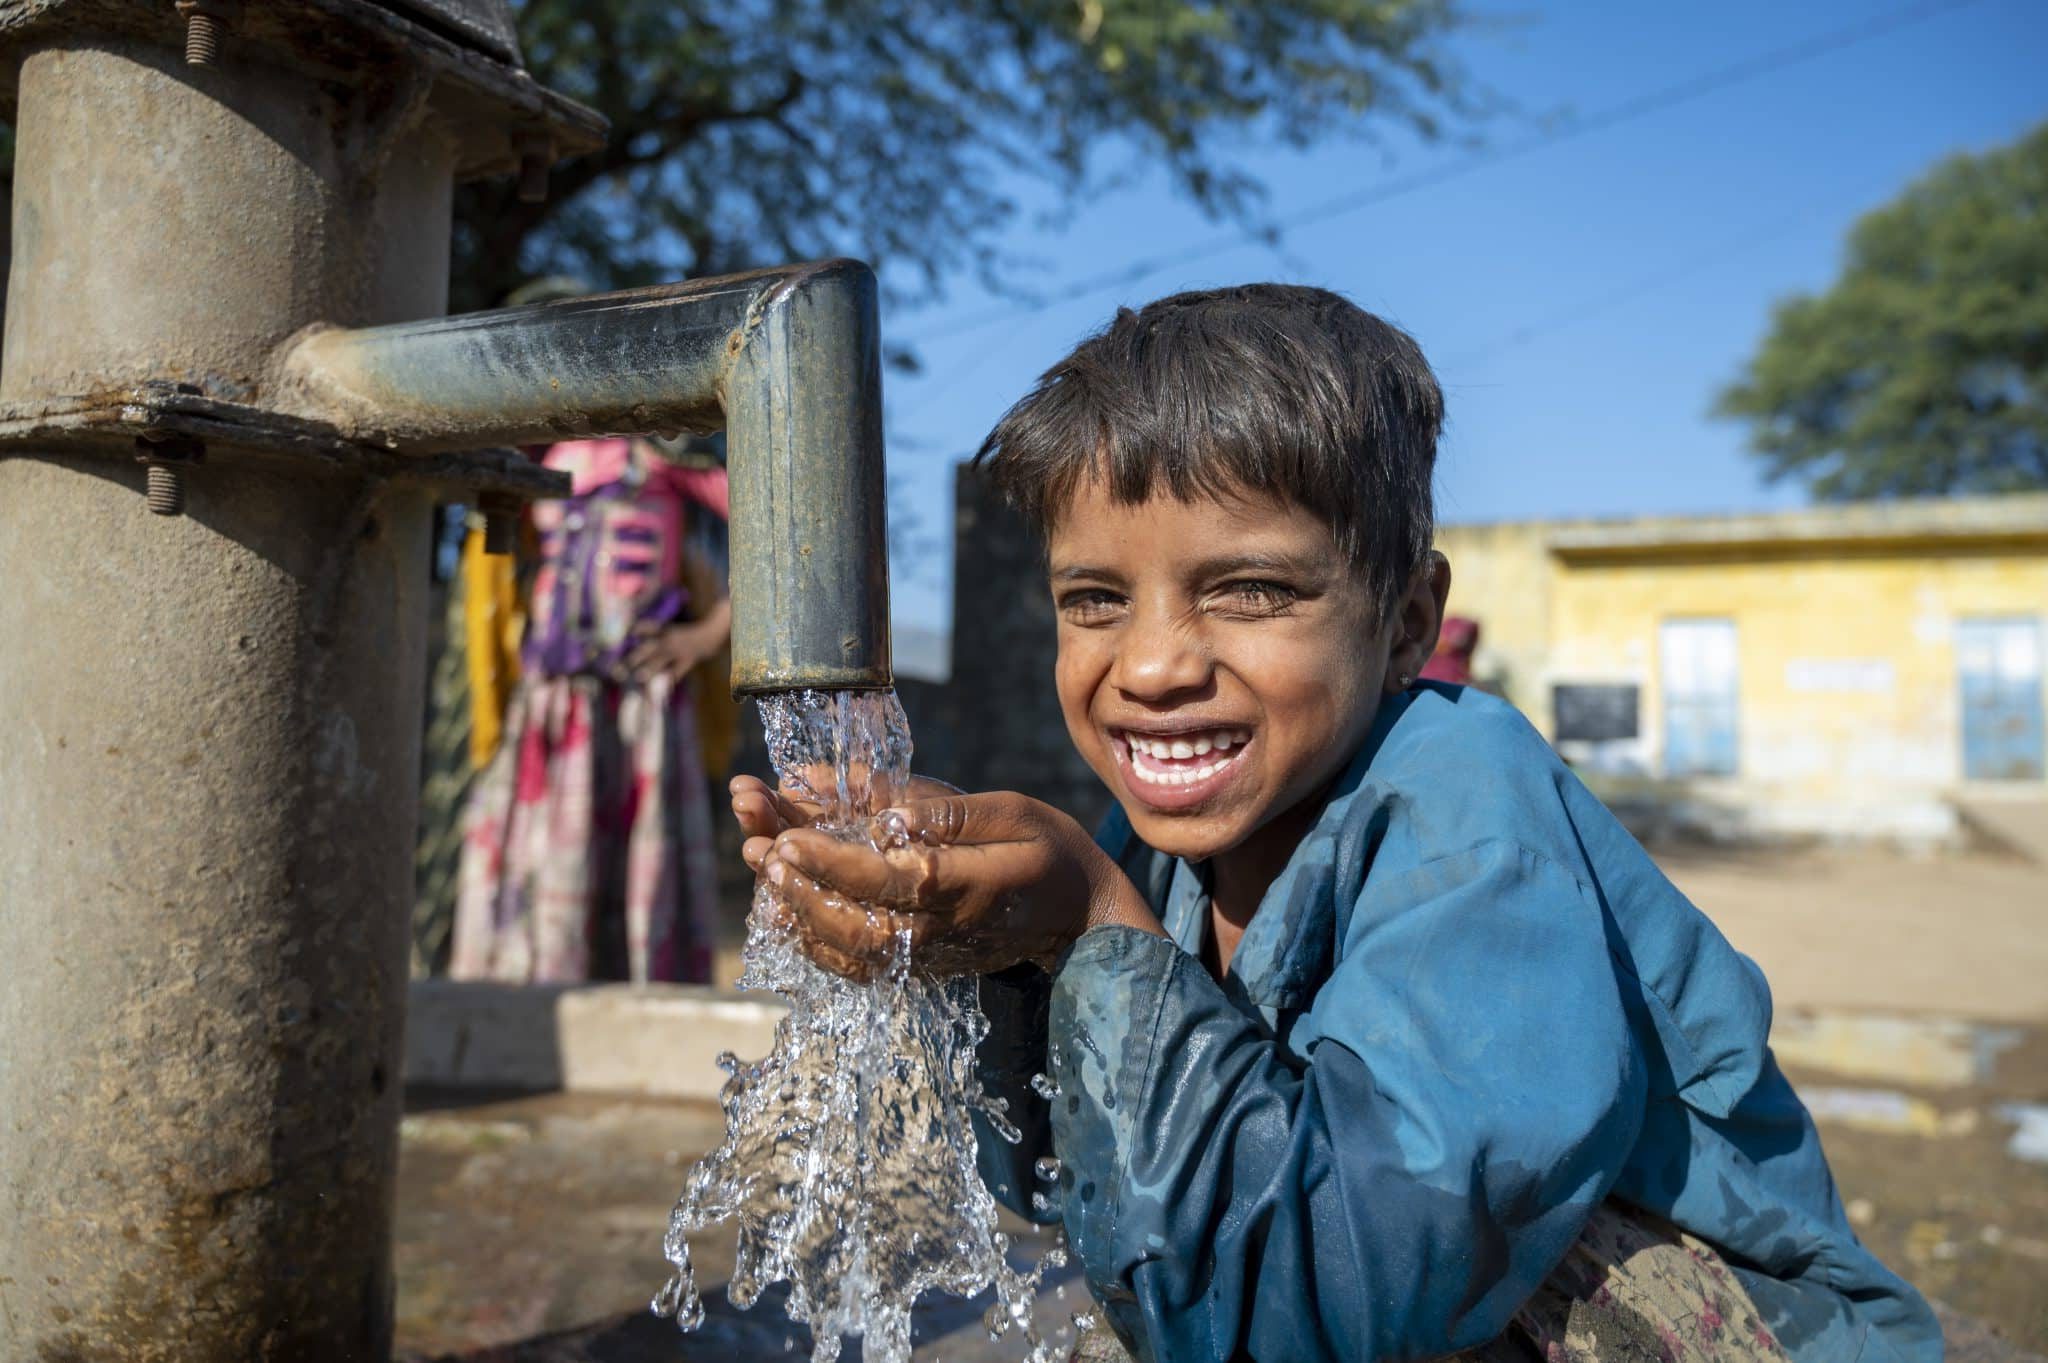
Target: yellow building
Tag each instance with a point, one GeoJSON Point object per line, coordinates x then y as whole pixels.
{"type": "Point", "coordinates": [1859, 670]}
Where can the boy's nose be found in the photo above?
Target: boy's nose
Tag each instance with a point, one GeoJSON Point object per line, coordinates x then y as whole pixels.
{"type": "Point", "coordinates": [1157, 661]}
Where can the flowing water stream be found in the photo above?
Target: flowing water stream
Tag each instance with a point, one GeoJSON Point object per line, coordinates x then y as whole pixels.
{"type": "Point", "coordinates": [848, 1165]}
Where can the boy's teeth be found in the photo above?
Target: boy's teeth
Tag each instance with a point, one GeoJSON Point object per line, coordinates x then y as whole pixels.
{"type": "Point", "coordinates": [1188, 745]}
{"type": "Point", "coordinates": [1179, 752]}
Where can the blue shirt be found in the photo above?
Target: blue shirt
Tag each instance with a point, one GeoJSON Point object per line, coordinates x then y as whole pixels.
{"type": "Point", "coordinates": [1470, 1008]}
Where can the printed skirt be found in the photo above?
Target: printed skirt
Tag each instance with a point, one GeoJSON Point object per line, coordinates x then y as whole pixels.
{"type": "Point", "coordinates": [587, 850]}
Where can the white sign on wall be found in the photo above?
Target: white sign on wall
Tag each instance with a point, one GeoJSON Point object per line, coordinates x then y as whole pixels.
{"type": "Point", "coordinates": [1874, 676]}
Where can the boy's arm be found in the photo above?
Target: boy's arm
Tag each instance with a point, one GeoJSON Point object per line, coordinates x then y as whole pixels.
{"type": "Point", "coordinates": [1473, 1092]}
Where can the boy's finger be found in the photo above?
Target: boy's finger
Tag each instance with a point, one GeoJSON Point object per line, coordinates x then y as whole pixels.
{"type": "Point", "coordinates": [764, 811]}
{"type": "Point", "coordinates": [961, 819]}
{"type": "Point", "coordinates": [920, 878]}
{"type": "Point", "coordinates": [793, 811]}
{"type": "Point", "coordinates": [854, 869]}
{"type": "Point", "coordinates": [755, 850]}
{"type": "Point", "coordinates": [826, 919]}
{"type": "Point", "coordinates": [756, 814]}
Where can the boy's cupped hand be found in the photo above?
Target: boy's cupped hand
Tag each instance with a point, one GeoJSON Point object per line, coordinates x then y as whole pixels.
{"type": "Point", "coordinates": [980, 881]}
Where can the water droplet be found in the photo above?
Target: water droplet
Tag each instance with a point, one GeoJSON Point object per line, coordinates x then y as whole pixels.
{"type": "Point", "coordinates": [1040, 1202]}
{"type": "Point", "coordinates": [1047, 1168]}
{"type": "Point", "coordinates": [1045, 1086]}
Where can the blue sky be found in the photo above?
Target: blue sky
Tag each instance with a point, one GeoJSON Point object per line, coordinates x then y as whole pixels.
{"type": "Point", "coordinates": [1582, 302]}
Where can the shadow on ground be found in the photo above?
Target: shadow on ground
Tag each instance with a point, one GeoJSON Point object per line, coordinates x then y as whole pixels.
{"type": "Point", "coordinates": [729, 1334]}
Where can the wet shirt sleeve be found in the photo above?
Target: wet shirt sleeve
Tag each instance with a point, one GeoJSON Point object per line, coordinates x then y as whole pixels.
{"type": "Point", "coordinates": [1470, 1086]}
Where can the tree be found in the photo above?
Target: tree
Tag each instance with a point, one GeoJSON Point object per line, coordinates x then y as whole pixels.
{"type": "Point", "coordinates": [1924, 369]}
{"type": "Point", "coordinates": [769, 130]}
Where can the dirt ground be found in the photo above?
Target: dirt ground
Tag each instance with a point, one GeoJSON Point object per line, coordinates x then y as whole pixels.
{"type": "Point", "coordinates": [1876, 930]}
{"type": "Point", "coordinates": [528, 1215]}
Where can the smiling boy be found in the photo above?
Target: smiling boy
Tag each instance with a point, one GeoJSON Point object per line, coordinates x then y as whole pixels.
{"type": "Point", "coordinates": [1375, 1035]}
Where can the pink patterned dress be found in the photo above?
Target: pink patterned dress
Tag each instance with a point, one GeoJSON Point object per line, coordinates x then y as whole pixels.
{"type": "Point", "coordinates": [587, 849]}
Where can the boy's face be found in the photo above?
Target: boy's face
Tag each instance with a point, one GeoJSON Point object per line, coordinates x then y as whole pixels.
{"type": "Point", "coordinates": [1219, 661]}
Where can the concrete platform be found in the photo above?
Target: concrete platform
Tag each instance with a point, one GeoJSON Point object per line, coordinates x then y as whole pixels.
{"type": "Point", "coordinates": [659, 1041]}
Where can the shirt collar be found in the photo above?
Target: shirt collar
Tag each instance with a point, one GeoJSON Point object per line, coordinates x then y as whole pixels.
{"type": "Point", "coordinates": [1289, 947]}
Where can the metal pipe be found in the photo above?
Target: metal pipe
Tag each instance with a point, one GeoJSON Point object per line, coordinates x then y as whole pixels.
{"type": "Point", "coordinates": [786, 360]}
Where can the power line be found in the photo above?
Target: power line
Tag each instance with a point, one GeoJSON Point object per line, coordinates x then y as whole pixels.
{"type": "Point", "coordinates": [1627, 111]}
{"type": "Point", "coordinates": [1623, 294]}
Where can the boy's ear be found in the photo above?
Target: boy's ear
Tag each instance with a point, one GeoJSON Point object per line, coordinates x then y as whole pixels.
{"type": "Point", "coordinates": [1412, 637]}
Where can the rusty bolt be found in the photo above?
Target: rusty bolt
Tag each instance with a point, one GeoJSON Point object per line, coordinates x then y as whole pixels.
{"type": "Point", "coordinates": [166, 489]}
{"type": "Point", "coordinates": [167, 456]}
{"type": "Point", "coordinates": [202, 39]}
{"type": "Point", "coordinates": [206, 22]}
{"type": "Point", "coordinates": [536, 154]}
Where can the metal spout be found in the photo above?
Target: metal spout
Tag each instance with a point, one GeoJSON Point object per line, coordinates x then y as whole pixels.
{"type": "Point", "coordinates": [786, 361]}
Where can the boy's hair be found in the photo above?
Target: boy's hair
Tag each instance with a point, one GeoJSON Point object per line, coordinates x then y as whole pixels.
{"type": "Point", "coordinates": [1273, 387]}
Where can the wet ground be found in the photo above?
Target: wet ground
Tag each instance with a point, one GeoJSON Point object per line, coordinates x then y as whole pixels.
{"type": "Point", "coordinates": [1933, 1187]}
{"type": "Point", "coordinates": [525, 1217]}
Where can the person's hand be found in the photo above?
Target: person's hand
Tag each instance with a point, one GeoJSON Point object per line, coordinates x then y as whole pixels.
{"type": "Point", "coordinates": [980, 881]}
{"type": "Point", "coordinates": [763, 812]}
{"type": "Point", "coordinates": [672, 650]}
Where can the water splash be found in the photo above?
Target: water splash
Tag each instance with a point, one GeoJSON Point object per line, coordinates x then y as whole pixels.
{"type": "Point", "coordinates": [848, 1163]}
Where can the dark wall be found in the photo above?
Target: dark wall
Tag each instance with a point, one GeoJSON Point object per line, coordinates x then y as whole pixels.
{"type": "Point", "coordinates": [996, 725]}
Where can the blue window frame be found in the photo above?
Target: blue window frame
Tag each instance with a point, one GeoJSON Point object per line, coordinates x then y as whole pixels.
{"type": "Point", "coordinates": [1998, 668]}
{"type": "Point", "coordinates": [1698, 667]}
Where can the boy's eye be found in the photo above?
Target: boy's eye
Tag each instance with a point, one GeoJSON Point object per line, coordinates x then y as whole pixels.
{"type": "Point", "coordinates": [1257, 596]}
{"type": "Point", "coordinates": [1090, 604]}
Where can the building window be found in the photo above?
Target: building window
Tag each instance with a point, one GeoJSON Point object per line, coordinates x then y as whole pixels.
{"type": "Point", "coordinates": [1998, 666]}
{"type": "Point", "coordinates": [1696, 659]}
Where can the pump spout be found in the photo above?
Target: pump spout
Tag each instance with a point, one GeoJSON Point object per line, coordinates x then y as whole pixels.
{"type": "Point", "coordinates": [786, 361]}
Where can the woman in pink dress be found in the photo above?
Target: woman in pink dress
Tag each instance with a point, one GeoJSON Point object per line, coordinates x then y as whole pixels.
{"type": "Point", "coordinates": [587, 849]}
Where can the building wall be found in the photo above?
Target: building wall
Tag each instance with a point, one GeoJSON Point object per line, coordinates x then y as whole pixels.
{"type": "Point", "coordinates": [1501, 576]}
{"type": "Point", "coordinates": [1848, 711]}
{"type": "Point", "coordinates": [1847, 683]}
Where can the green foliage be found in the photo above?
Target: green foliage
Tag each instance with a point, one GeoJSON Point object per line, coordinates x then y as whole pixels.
{"type": "Point", "coordinates": [754, 131]}
{"type": "Point", "coordinates": [1924, 369]}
